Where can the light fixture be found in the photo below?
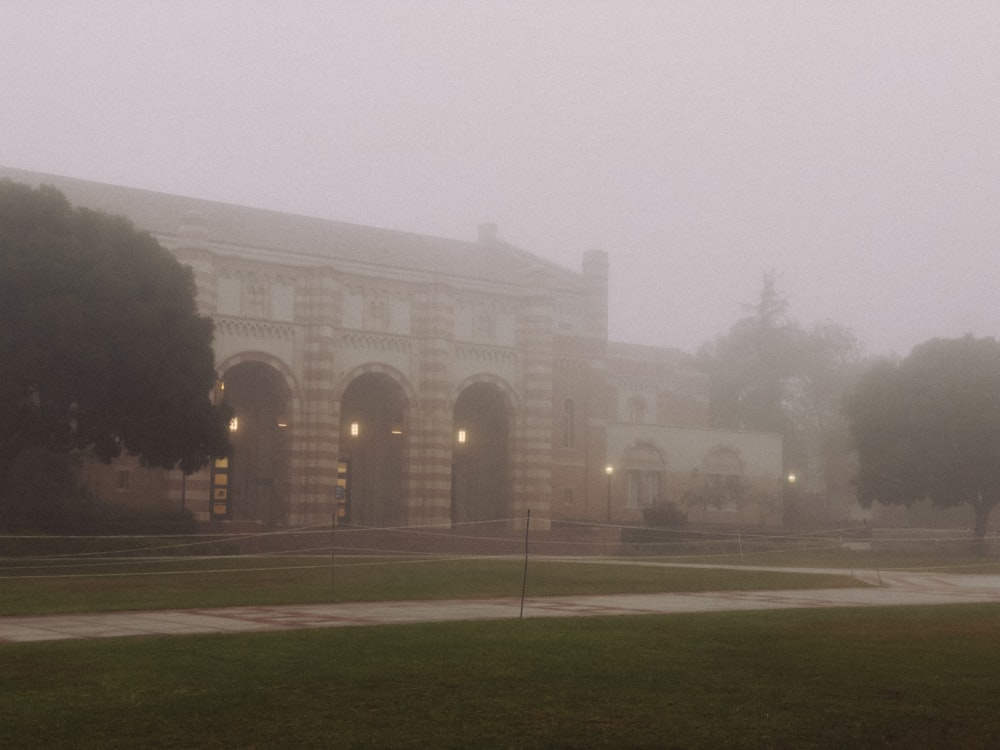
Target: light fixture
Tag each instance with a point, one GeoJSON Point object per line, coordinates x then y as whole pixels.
{"type": "Point", "coordinates": [234, 424]}
{"type": "Point", "coordinates": [355, 429]}
{"type": "Point", "coordinates": [461, 437]}
{"type": "Point", "coordinates": [609, 470]}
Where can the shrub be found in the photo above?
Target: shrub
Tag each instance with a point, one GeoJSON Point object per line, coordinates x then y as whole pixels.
{"type": "Point", "coordinates": [663, 514]}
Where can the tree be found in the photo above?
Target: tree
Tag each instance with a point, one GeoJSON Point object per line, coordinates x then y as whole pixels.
{"type": "Point", "coordinates": [101, 345]}
{"type": "Point", "coordinates": [771, 375]}
{"type": "Point", "coordinates": [749, 365]}
{"type": "Point", "coordinates": [928, 427]}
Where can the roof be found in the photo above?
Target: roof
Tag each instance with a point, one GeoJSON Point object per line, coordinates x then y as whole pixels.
{"type": "Point", "coordinates": [282, 234]}
{"type": "Point", "coordinates": [659, 355]}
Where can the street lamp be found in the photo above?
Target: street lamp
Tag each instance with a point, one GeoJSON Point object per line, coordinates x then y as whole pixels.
{"type": "Point", "coordinates": [609, 470]}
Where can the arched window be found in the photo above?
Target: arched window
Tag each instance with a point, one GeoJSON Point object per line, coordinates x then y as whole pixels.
{"type": "Point", "coordinates": [643, 464]}
{"type": "Point", "coordinates": [723, 484]}
{"type": "Point", "coordinates": [637, 410]}
{"type": "Point", "coordinates": [569, 439]}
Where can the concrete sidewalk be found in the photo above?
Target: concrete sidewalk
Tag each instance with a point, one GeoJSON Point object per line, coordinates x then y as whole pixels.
{"type": "Point", "coordinates": [885, 589]}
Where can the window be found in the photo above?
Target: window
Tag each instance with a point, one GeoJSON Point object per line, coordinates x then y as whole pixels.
{"type": "Point", "coordinates": [256, 299]}
{"type": "Point", "coordinates": [724, 491]}
{"type": "Point", "coordinates": [485, 323]}
{"type": "Point", "coordinates": [121, 481]}
{"type": "Point", "coordinates": [643, 488]}
{"type": "Point", "coordinates": [637, 410]}
{"type": "Point", "coordinates": [723, 471]}
{"type": "Point", "coordinates": [643, 467]}
{"type": "Point", "coordinates": [378, 314]}
{"type": "Point", "coordinates": [567, 497]}
{"type": "Point", "coordinates": [569, 439]}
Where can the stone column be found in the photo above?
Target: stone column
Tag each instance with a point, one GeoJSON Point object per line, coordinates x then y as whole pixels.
{"type": "Point", "coordinates": [315, 437]}
{"type": "Point", "coordinates": [532, 449]}
{"type": "Point", "coordinates": [431, 440]}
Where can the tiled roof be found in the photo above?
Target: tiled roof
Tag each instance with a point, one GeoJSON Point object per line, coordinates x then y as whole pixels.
{"type": "Point", "coordinates": [654, 354]}
{"type": "Point", "coordinates": [266, 232]}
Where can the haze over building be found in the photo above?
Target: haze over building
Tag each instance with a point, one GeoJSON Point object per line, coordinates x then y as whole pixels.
{"type": "Point", "coordinates": [395, 379]}
{"type": "Point", "coordinates": [850, 147]}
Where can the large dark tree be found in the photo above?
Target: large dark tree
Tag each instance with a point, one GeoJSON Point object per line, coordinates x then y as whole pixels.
{"type": "Point", "coordinates": [928, 427]}
{"type": "Point", "coordinates": [101, 345]}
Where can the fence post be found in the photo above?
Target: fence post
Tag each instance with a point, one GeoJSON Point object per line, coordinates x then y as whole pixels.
{"type": "Point", "coordinates": [524, 578]}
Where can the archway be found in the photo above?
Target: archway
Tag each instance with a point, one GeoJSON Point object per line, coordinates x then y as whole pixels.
{"type": "Point", "coordinates": [642, 466]}
{"type": "Point", "coordinates": [479, 475]}
{"type": "Point", "coordinates": [372, 426]}
{"type": "Point", "coordinates": [258, 472]}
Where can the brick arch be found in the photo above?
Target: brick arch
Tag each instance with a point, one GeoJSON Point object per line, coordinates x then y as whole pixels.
{"type": "Point", "coordinates": [511, 397]}
{"type": "Point", "coordinates": [377, 462]}
{"type": "Point", "coordinates": [375, 367]}
{"type": "Point", "coordinates": [645, 452]}
{"type": "Point", "coordinates": [270, 360]}
{"type": "Point", "coordinates": [723, 459]}
{"type": "Point", "coordinates": [262, 483]}
{"type": "Point", "coordinates": [485, 470]}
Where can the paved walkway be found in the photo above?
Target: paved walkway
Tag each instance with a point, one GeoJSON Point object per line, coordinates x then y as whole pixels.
{"type": "Point", "coordinates": [885, 589]}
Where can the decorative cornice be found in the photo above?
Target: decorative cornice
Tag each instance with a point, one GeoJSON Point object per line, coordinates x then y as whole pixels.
{"type": "Point", "coordinates": [378, 343]}
{"type": "Point", "coordinates": [485, 353]}
{"type": "Point", "coordinates": [263, 274]}
{"type": "Point", "coordinates": [638, 385]}
{"type": "Point", "coordinates": [570, 363]}
{"type": "Point", "coordinates": [256, 329]}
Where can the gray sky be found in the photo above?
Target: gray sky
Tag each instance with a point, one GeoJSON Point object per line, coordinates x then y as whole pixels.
{"type": "Point", "coordinates": [852, 147]}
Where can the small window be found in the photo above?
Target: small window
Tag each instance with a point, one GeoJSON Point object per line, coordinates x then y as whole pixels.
{"type": "Point", "coordinates": [121, 480]}
{"type": "Point", "coordinates": [643, 488]}
{"type": "Point", "coordinates": [256, 299]}
{"type": "Point", "coordinates": [569, 439]}
{"type": "Point", "coordinates": [637, 410]}
{"type": "Point", "coordinates": [724, 491]}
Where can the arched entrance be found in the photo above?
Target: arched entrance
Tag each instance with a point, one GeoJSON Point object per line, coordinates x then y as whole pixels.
{"type": "Point", "coordinates": [259, 464]}
{"type": "Point", "coordinates": [643, 466]}
{"type": "Point", "coordinates": [479, 474]}
{"type": "Point", "coordinates": [372, 424]}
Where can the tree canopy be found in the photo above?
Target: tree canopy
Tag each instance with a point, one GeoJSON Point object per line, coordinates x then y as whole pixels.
{"type": "Point", "coordinates": [769, 374]}
{"type": "Point", "coordinates": [101, 344]}
{"type": "Point", "coordinates": [928, 427]}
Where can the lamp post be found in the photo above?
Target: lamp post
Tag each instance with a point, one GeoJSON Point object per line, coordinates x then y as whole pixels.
{"type": "Point", "coordinates": [609, 470]}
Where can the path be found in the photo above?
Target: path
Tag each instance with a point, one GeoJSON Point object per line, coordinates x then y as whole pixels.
{"type": "Point", "coordinates": [886, 589]}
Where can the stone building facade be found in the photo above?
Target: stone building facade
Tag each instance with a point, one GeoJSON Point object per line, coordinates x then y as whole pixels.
{"type": "Point", "coordinates": [394, 379]}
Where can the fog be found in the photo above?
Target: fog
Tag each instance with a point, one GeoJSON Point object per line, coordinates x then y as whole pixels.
{"type": "Point", "coordinates": [851, 147]}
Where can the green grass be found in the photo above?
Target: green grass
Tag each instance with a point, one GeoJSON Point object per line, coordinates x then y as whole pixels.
{"type": "Point", "coordinates": [180, 584]}
{"type": "Point", "coordinates": [926, 558]}
{"type": "Point", "coordinates": [906, 677]}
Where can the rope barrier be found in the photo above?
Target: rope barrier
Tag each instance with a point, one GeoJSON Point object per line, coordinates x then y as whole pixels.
{"type": "Point", "coordinates": [136, 555]}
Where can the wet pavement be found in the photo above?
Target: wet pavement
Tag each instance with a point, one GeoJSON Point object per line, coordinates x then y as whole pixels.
{"type": "Point", "coordinates": [875, 590]}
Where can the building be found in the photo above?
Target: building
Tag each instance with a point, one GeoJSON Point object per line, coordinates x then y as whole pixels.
{"type": "Point", "coordinates": [395, 379]}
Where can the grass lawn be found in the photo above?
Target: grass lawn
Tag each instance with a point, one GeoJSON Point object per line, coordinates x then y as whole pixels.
{"type": "Point", "coordinates": [907, 677]}
{"type": "Point", "coordinates": [28, 587]}
{"type": "Point", "coordinates": [962, 561]}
